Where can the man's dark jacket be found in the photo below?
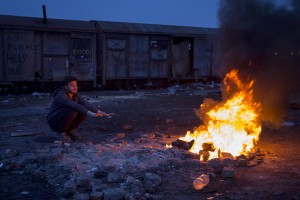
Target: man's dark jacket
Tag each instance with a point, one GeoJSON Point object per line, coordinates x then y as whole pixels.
{"type": "Point", "coordinates": [62, 101]}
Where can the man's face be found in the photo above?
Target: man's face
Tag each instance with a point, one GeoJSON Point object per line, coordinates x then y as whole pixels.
{"type": "Point", "coordinates": [72, 87]}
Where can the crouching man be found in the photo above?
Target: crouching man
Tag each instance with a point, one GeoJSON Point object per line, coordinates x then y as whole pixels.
{"type": "Point", "coordinates": [68, 109]}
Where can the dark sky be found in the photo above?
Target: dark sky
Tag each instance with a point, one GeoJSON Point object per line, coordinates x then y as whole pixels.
{"type": "Point", "coordinates": [201, 13]}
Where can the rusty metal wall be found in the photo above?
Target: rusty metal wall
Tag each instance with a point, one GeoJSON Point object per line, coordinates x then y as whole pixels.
{"type": "Point", "coordinates": [138, 56]}
{"type": "Point", "coordinates": [116, 59]}
{"type": "Point", "coordinates": [19, 55]}
{"type": "Point", "coordinates": [180, 60]}
{"type": "Point", "coordinates": [202, 57]}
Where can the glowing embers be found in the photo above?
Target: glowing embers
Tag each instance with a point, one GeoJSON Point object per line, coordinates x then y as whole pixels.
{"type": "Point", "coordinates": [232, 125]}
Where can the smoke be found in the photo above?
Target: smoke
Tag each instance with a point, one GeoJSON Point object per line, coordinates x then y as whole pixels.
{"type": "Point", "coordinates": [261, 38]}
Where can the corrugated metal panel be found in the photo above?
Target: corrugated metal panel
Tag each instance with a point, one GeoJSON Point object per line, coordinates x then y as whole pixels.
{"type": "Point", "coordinates": [34, 23]}
{"type": "Point", "coordinates": [122, 27]}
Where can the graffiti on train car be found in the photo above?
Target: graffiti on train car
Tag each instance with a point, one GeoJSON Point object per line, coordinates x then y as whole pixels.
{"type": "Point", "coordinates": [81, 49]}
{"type": "Point", "coordinates": [81, 68]}
{"type": "Point", "coordinates": [17, 55]}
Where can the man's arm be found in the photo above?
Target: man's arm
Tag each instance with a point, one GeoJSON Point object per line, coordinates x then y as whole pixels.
{"type": "Point", "coordinates": [63, 99]}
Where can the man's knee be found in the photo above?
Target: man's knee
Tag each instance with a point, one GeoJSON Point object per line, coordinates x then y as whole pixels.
{"type": "Point", "coordinates": [71, 113]}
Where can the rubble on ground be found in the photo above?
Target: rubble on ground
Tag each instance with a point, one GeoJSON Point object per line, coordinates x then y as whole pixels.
{"type": "Point", "coordinates": [114, 170]}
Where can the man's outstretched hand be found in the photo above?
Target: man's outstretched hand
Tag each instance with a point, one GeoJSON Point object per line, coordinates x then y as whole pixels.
{"type": "Point", "coordinates": [101, 114]}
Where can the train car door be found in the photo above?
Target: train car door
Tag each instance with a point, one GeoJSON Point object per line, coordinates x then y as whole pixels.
{"type": "Point", "coordinates": [202, 57]}
{"type": "Point", "coordinates": [181, 58]}
{"type": "Point", "coordinates": [159, 57]}
{"type": "Point", "coordinates": [116, 59]}
{"type": "Point", "coordinates": [138, 56]}
{"type": "Point", "coordinates": [55, 56]}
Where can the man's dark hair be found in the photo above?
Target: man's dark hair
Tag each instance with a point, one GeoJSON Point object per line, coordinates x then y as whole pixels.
{"type": "Point", "coordinates": [69, 79]}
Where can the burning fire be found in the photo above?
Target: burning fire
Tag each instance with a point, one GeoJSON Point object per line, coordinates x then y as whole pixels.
{"type": "Point", "coordinates": [232, 125]}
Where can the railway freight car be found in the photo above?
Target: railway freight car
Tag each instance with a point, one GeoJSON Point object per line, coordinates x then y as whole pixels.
{"type": "Point", "coordinates": [138, 53]}
{"type": "Point", "coordinates": [39, 52]}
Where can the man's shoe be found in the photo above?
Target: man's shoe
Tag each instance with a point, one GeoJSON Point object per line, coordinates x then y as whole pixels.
{"type": "Point", "coordinates": [74, 136]}
{"type": "Point", "coordinates": [64, 137]}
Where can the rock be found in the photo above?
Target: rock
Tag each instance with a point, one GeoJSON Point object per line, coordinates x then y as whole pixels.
{"type": "Point", "coordinates": [251, 163]}
{"type": "Point", "coordinates": [193, 163]}
{"type": "Point", "coordinates": [208, 146]}
{"type": "Point", "coordinates": [130, 180]}
{"type": "Point", "coordinates": [204, 155]}
{"type": "Point", "coordinates": [137, 140]}
{"type": "Point", "coordinates": [83, 181]}
{"type": "Point", "coordinates": [123, 143]}
{"type": "Point", "coordinates": [119, 136]}
{"type": "Point", "coordinates": [129, 196]}
{"type": "Point", "coordinates": [98, 187]}
{"type": "Point", "coordinates": [216, 165]}
{"type": "Point", "coordinates": [96, 196]}
{"type": "Point", "coordinates": [137, 187]}
{"type": "Point", "coordinates": [228, 162]}
{"type": "Point", "coordinates": [224, 155]}
{"type": "Point", "coordinates": [228, 172]}
{"type": "Point", "coordinates": [10, 153]}
{"type": "Point", "coordinates": [70, 186]}
{"type": "Point", "coordinates": [149, 135]}
{"type": "Point", "coordinates": [183, 144]}
{"type": "Point", "coordinates": [50, 155]}
{"type": "Point", "coordinates": [114, 177]}
{"type": "Point", "coordinates": [102, 171]}
{"type": "Point", "coordinates": [128, 127]}
{"type": "Point", "coordinates": [212, 175]}
{"type": "Point", "coordinates": [28, 158]}
{"type": "Point", "coordinates": [188, 154]}
{"type": "Point", "coordinates": [241, 162]}
{"type": "Point", "coordinates": [151, 181]}
{"type": "Point", "coordinates": [113, 194]}
{"type": "Point", "coordinates": [252, 153]}
{"type": "Point", "coordinates": [31, 167]}
{"type": "Point", "coordinates": [18, 134]}
{"type": "Point", "coordinates": [169, 120]}
{"type": "Point", "coordinates": [162, 135]}
{"type": "Point", "coordinates": [81, 196]}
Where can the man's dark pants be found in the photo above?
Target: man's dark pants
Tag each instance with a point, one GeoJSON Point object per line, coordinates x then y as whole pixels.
{"type": "Point", "coordinates": [66, 120]}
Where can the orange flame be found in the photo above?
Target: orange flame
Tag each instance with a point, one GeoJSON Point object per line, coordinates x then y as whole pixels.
{"type": "Point", "coordinates": [233, 125]}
